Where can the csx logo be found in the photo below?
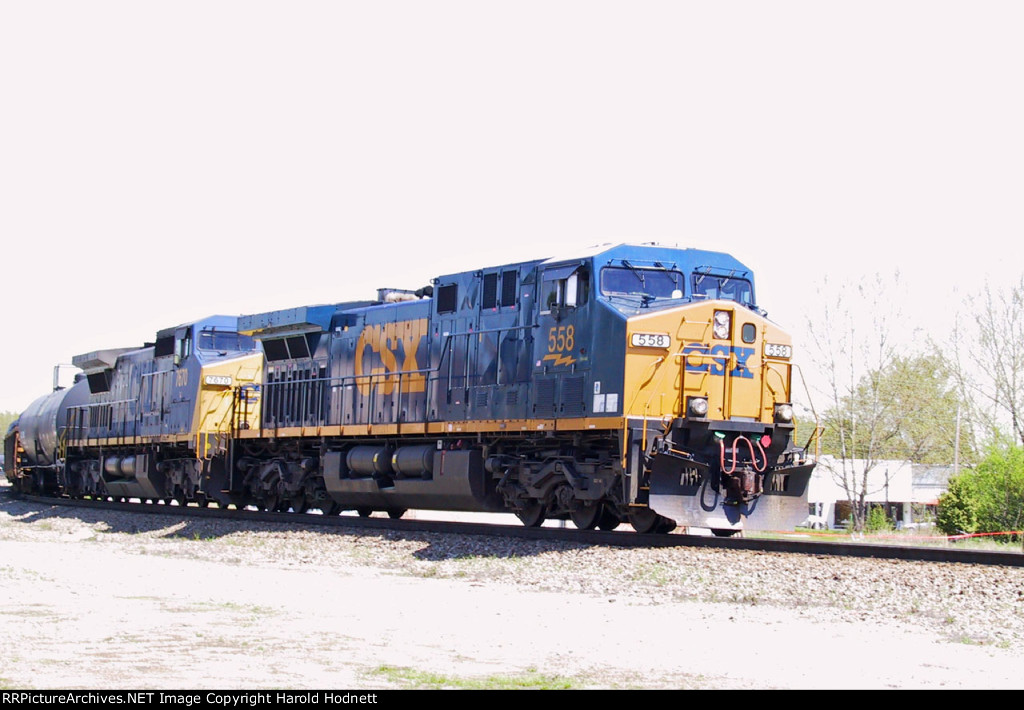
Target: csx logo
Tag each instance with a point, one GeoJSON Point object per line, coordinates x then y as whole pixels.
{"type": "Point", "coordinates": [716, 360]}
{"type": "Point", "coordinates": [386, 343]}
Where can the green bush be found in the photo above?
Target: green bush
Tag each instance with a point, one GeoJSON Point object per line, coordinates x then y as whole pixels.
{"type": "Point", "coordinates": [989, 498]}
{"type": "Point", "coordinates": [1000, 486]}
{"type": "Point", "coordinates": [877, 520]}
{"type": "Point", "coordinates": [957, 511]}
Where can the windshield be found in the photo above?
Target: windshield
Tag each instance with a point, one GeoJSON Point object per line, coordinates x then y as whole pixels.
{"type": "Point", "coordinates": [225, 340]}
{"type": "Point", "coordinates": [649, 283]}
{"type": "Point", "coordinates": [729, 288]}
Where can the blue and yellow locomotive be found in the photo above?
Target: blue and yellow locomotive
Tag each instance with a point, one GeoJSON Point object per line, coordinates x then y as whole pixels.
{"type": "Point", "coordinates": [624, 383]}
{"type": "Point", "coordinates": [150, 422]}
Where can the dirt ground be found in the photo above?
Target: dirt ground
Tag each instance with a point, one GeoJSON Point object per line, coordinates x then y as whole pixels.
{"type": "Point", "coordinates": [84, 608]}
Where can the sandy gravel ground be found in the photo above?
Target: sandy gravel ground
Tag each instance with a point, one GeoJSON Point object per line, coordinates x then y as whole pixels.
{"type": "Point", "coordinates": [95, 601]}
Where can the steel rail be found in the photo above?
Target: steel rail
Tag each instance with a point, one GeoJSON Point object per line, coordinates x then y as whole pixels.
{"type": "Point", "coordinates": [613, 538]}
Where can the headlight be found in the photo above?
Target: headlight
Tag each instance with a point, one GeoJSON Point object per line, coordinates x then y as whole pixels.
{"type": "Point", "coordinates": [722, 325]}
{"type": "Point", "coordinates": [783, 413]}
{"type": "Point", "coordinates": [778, 350]}
{"type": "Point", "coordinates": [697, 407]}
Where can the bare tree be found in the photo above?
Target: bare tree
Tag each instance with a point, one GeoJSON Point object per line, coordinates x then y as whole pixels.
{"type": "Point", "coordinates": [988, 359]}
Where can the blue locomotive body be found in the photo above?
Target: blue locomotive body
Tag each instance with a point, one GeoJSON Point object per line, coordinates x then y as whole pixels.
{"type": "Point", "coordinates": [485, 347]}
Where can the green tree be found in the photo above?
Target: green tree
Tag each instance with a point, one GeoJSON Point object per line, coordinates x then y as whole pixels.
{"type": "Point", "coordinates": [910, 407]}
{"type": "Point", "coordinates": [5, 421]}
{"type": "Point", "coordinates": [906, 410]}
{"type": "Point", "coordinates": [925, 408]}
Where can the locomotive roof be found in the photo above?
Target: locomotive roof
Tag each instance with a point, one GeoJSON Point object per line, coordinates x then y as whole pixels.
{"type": "Point", "coordinates": [295, 320]}
{"type": "Point", "coordinates": [98, 360]}
{"type": "Point", "coordinates": [686, 259]}
{"type": "Point", "coordinates": [683, 259]}
{"type": "Point", "coordinates": [319, 317]}
{"type": "Point", "coordinates": [216, 321]}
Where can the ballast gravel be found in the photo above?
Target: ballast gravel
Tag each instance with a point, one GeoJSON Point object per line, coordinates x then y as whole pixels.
{"type": "Point", "coordinates": [104, 600]}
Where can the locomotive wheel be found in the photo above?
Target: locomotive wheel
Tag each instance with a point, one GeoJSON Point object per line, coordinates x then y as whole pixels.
{"type": "Point", "coordinates": [299, 504]}
{"type": "Point", "coordinates": [645, 520]}
{"type": "Point", "coordinates": [364, 512]}
{"type": "Point", "coordinates": [587, 515]}
{"type": "Point", "coordinates": [396, 513]}
{"type": "Point", "coordinates": [532, 514]}
{"type": "Point", "coordinates": [330, 508]}
{"type": "Point", "coordinates": [609, 520]}
{"type": "Point", "coordinates": [665, 525]}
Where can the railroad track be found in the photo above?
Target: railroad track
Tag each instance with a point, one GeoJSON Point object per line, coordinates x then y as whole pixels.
{"type": "Point", "coordinates": [568, 535]}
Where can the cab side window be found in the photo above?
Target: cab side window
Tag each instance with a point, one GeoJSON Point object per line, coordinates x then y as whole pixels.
{"type": "Point", "coordinates": [182, 347]}
{"type": "Point", "coordinates": [563, 288]}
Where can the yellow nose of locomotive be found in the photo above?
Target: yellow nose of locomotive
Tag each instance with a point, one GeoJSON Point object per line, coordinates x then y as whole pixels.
{"type": "Point", "coordinates": [713, 360]}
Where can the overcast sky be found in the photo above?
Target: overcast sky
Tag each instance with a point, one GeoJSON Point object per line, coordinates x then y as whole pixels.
{"type": "Point", "coordinates": [160, 162]}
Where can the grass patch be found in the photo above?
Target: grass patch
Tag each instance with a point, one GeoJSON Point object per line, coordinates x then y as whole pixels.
{"type": "Point", "coordinates": [427, 572]}
{"type": "Point", "coordinates": [13, 573]}
{"type": "Point", "coordinates": [410, 678]}
{"type": "Point", "coordinates": [823, 533]}
{"type": "Point", "coordinates": [250, 612]}
{"type": "Point", "coordinates": [929, 537]}
{"type": "Point", "coordinates": [653, 573]}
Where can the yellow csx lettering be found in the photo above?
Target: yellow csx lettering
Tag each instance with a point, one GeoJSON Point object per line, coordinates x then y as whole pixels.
{"type": "Point", "coordinates": [725, 360]}
{"type": "Point", "coordinates": [387, 342]}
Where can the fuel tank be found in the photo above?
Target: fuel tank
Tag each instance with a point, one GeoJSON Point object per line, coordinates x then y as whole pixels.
{"type": "Point", "coordinates": [39, 425]}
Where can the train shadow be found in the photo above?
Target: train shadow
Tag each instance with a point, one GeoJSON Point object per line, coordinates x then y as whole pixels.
{"type": "Point", "coordinates": [170, 521]}
{"type": "Point", "coordinates": [21, 510]}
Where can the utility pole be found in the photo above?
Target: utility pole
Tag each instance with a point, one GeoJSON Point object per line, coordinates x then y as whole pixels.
{"type": "Point", "coordinates": [956, 444]}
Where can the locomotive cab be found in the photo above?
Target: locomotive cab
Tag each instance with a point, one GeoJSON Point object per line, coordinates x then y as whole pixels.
{"type": "Point", "coordinates": [709, 381]}
{"type": "Point", "coordinates": [669, 346]}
